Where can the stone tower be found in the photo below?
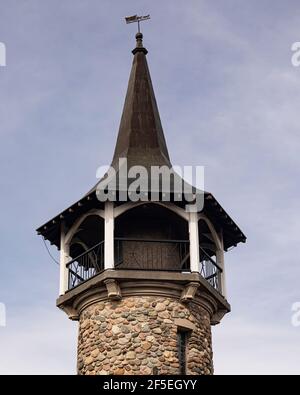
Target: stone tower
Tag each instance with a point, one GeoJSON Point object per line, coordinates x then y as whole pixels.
{"type": "Point", "coordinates": [144, 277]}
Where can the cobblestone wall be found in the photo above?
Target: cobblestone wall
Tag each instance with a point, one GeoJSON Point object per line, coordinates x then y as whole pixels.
{"type": "Point", "coordinates": [136, 334]}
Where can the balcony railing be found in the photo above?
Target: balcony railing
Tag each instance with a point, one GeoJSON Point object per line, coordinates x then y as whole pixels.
{"type": "Point", "coordinates": [210, 270]}
{"type": "Point", "coordinates": [143, 254]}
{"type": "Point", "coordinates": [86, 265]}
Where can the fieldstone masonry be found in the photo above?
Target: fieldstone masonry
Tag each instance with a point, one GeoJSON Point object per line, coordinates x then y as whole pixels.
{"type": "Point", "coordinates": [135, 335]}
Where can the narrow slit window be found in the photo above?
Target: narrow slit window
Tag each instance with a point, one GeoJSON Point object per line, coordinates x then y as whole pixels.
{"type": "Point", "coordinates": [182, 337]}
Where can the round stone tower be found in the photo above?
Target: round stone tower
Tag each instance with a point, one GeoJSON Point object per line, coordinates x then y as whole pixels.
{"type": "Point", "coordinates": [142, 254]}
{"type": "Point", "coordinates": [143, 335]}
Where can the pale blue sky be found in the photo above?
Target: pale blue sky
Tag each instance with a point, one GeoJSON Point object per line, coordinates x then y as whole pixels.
{"type": "Point", "coordinates": [229, 100]}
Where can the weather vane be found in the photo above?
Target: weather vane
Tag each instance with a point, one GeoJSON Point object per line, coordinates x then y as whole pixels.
{"type": "Point", "coordinates": [136, 18]}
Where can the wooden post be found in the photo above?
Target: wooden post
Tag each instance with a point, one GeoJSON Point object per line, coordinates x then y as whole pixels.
{"type": "Point", "coordinates": [109, 236]}
{"type": "Point", "coordinates": [221, 263]}
{"type": "Point", "coordinates": [194, 242]}
{"type": "Point", "coordinates": [64, 258]}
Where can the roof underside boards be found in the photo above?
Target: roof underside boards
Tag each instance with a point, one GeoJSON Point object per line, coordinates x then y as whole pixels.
{"type": "Point", "coordinates": [232, 234]}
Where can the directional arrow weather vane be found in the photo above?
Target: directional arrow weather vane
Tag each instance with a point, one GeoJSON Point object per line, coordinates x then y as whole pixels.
{"type": "Point", "coordinates": [136, 18]}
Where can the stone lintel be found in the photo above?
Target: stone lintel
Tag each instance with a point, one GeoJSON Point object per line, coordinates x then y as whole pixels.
{"type": "Point", "coordinates": [184, 324]}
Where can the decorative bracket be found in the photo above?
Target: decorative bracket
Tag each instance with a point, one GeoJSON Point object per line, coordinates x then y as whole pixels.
{"type": "Point", "coordinates": [71, 312]}
{"type": "Point", "coordinates": [189, 292]}
{"type": "Point", "coordinates": [113, 289]}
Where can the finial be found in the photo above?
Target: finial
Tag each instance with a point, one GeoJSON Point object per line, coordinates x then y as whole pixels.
{"type": "Point", "coordinates": [139, 40]}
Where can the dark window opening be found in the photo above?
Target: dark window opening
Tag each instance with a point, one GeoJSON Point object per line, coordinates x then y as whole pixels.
{"type": "Point", "coordinates": [182, 340]}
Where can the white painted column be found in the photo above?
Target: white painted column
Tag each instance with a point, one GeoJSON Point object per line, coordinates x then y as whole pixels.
{"type": "Point", "coordinates": [109, 236]}
{"type": "Point", "coordinates": [194, 242]}
{"type": "Point", "coordinates": [221, 263]}
{"type": "Point", "coordinates": [64, 258]}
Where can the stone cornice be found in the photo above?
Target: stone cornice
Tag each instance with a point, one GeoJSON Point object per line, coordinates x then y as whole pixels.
{"type": "Point", "coordinates": [116, 284]}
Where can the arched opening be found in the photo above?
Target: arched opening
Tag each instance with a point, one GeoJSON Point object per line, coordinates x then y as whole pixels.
{"type": "Point", "coordinates": [89, 233]}
{"type": "Point", "coordinates": [151, 237]}
{"type": "Point", "coordinates": [208, 266]}
{"type": "Point", "coordinates": [86, 250]}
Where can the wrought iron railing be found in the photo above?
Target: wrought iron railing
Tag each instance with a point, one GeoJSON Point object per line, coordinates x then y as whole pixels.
{"type": "Point", "coordinates": [86, 265]}
{"type": "Point", "coordinates": [210, 270]}
{"type": "Point", "coordinates": [144, 254]}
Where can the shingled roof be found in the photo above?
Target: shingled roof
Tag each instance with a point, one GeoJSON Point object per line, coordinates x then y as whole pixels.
{"type": "Point", "coordinates": [141, 138]}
